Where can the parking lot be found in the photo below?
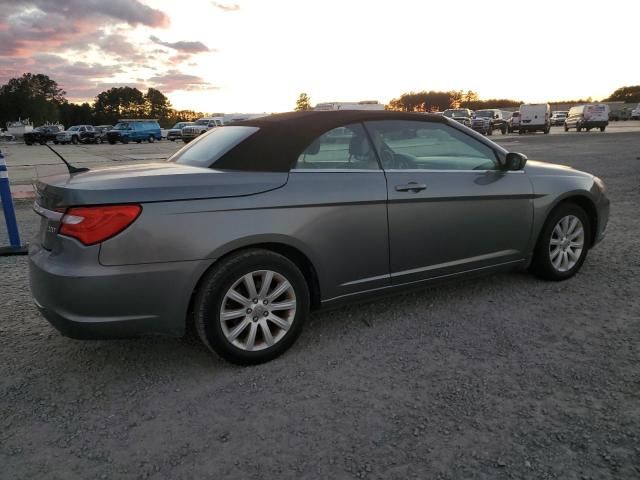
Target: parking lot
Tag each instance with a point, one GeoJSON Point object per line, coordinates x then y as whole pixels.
{"type": "Point", "coordinates": [502, 376]}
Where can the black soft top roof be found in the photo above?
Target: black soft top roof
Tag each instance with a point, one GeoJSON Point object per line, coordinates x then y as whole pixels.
{"type": "Point", "coordinates": [283, 136]}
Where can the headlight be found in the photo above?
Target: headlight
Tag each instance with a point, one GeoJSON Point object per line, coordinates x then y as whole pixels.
{"type": "Point", "coordinates": [600, 184]}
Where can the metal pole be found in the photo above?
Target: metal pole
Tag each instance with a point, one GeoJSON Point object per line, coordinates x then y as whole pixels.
{"type": "Point", "coordinates": [15, 247]}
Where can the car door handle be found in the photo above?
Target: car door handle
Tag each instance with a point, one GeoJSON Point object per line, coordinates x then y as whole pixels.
{"type": "Point", "coordinates": [411, 187]}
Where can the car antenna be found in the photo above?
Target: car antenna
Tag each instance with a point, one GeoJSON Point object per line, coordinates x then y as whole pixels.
{"type": "Point", "coordinates": [70, 167]}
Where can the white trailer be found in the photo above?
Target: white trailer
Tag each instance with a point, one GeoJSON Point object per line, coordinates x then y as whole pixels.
{"type": "Point", "coordinates": [364, 105]}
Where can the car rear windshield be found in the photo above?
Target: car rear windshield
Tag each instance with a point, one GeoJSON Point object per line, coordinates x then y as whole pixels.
{"type": "Point", "coordinates": [205, 150]}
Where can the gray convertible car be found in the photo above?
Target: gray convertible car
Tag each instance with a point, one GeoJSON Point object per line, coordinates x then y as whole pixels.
{"type": "Point", "coordinates": [252, 225]}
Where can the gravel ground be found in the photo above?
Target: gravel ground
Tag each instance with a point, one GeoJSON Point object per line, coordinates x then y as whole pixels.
{"type": "Point", "coordinates": [498, 377]}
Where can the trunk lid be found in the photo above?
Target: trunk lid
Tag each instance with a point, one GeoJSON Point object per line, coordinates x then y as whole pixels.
{"type": "Point", "coordinates": [151, 182]}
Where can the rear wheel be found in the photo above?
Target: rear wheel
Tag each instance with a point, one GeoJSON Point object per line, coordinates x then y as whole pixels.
{"type": "Point", "coordinates": [602, 129]}
{"type": "Point", "coordinates": [74, 140]}
{"type": "Point", "coordinates": [252, 307]}
{"type": "Point", "coordinates": [566, 128]}
{"type": "Point", "coordinates": [578, 128]}
{"type": "Point", "coordinates": [563, 243]}
{"type": "Point", "coordinates": [503, 130]}
{"type": "Point", "coordinates": [125, 139]}
{"type": "Point", "coordinates": [152, 139]}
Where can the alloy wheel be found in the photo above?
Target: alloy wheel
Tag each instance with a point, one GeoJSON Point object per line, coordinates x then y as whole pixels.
{"type": "Point", "coordinates": [258, 310]}
{"type": "Point", "coordinates": [566, 243]}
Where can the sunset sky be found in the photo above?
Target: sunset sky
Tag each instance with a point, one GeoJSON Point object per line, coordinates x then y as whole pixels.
{"type": "Point", "coordinates": [258, 55]}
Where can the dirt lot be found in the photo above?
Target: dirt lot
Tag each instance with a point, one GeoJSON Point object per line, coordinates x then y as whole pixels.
{"type": "Point", "coordinates": [499, 377]}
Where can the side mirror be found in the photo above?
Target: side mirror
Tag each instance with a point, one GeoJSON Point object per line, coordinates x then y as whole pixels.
{"type": "Point", "coordinates": [515, 161]}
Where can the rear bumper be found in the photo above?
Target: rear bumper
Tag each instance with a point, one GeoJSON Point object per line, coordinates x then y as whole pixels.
{"type": "Point", "coordinates": [594, 124]}
{"type": "Point", "coordinates": [97, 302]}
{"type": "Point", "coordinates": [533, 128]}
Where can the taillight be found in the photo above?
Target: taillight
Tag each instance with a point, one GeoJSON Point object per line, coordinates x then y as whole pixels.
{"type": "Point", "coordinates": [93, 225]}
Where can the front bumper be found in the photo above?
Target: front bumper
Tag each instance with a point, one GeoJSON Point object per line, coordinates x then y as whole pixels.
{"type": "Point", "coordinates": [91, 301]}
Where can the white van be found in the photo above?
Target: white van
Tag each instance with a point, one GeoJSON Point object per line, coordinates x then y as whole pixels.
{"type": "Point", "coordinates": [535, 117]}
{"type": "Point", "coordinates": [593, 115]}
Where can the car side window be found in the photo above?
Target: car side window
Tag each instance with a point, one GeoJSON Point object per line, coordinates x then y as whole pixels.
{"type": "Point", "coordinates": [406, 145]}
{"type": "Point", "coordinates": [345, 147]}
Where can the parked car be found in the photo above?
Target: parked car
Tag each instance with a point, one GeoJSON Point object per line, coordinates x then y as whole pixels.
{"type": "Point", "coordinates": [488, 120]}
{"type": "Point", "coordinates": [101, 132]}
{"type": "Point", "coordinates": [462, 115]}
{"type": "Point", "coordinates": [594, 115]}
{"type": "Point", "coordinates": [635, 113]}
{"type": "Point", "coordinates": [200, 127]}
{"type": "Point", "coordinates": [513, 124]}
{"type": "Point", "coordinates": [175, 132]}
{"type": "Point", "coordinates": [252, 225]}
{"type": "Point", "coordinates": [535, 117]}
{"type": "Point", "coordinates": [76, 134]}
{"type": "Point", "coordinates": [134, 130]}
{"type": "Point", "coordinates": [43, 134]}
{"type": "Point", "coordinates": [558, 117]}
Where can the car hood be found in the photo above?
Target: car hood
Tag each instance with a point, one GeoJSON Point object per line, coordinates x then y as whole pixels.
{"type": "Point", "coordinates": [538, 168]}
{"type": "Point", "coordinates": [151, 182]}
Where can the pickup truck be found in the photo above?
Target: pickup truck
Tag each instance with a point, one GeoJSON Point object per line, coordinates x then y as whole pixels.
{"type": "Point", "coordinates": [42, 135]}
{"type": "Point", "coordinates": [77, 134]}
{"type": "Point", "coordinates": [201, 126]}
{"type": "Point", "coordinates": [488, 120]}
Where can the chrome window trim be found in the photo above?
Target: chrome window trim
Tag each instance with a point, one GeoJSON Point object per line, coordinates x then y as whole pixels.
{"type": "Point", "coordinates": [335, 170]}
{"type": "Point", "coordinates": [420, 170]}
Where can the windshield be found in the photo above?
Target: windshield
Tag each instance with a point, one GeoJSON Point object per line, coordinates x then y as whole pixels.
{"type": "Point", "coordinates": [484, 113]}
{"type": "Point", "coordinates": [121, 126]}
{"type": "Point", "coordinates": [202, 122]}
{"type": "Point", "coordinates": [74, 129]}
{"type": "Point", "coordinates": [208, 148]}
{"type": "Point", "coordinates": [560, 114]}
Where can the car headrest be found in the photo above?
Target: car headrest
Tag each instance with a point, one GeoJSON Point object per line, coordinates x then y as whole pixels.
{"type": "Point", "coordinates": [359, 145]}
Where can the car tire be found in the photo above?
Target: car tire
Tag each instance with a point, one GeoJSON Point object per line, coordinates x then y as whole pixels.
{"type": "Point", "coordinates": [489, 132]}
{"type": "Point", "coordinates": [55, 142]}
{"type": "Point", "coordinates": [112, 142]}
{"type": "Point", "coordinates": [578, 127]}
{"type": "Point", "coordinates": [125, 140]}
{"type": "Point", "coordinates": [550, 261]}
{"type": "Point", "coordinates": [28, 143]}
{"type": "Point", "coordinates": [503, 130]}
{"type": "Point", "coordinates": [225, 283]}
{"type": "Point", "coordinates": [566, 129]}
{"type": "Point", "coordinates": [602, 129]}
{"type": "Point", "coordinates": [74, 140]}
{"type": "Point", "coordinates": [151, 139]}
{"type": "Point", "coordinates": [172, 139]}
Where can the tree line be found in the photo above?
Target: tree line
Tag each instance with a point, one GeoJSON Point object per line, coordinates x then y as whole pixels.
{"type": "Point", "coordinates": [436, 101]}
{"type": "Point", "coordinates": [40, 99]}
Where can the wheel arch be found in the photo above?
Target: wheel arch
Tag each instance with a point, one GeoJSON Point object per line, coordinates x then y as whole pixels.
{"type": "Point", "coordinates": [584, 202]}
{"type": "Point", "coordinates": [292, 253]}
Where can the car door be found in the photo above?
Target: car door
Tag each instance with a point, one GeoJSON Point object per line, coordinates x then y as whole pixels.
{"type": "Point", "coordinates": [337, 195]}
{"type": "Point", "coordinates": [450, 208]}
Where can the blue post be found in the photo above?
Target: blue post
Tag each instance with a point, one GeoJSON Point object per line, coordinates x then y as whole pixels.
{"type": "Point", "coordinates": [15, 247]}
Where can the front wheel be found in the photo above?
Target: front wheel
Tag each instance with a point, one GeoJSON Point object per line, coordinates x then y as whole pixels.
{"type": "Point", "coordinates": [252, 307]}
{"type": "Point", "coordinates": [566, 129]}
{"type": "Point", "coordinates": [152, 139]}
{"type": "Point", "coordinates": [602, 129]}
{"type": "Point", "coordinates": [503, 130]}
{"type": "Point", "coordinates": [74, 140]}
{"type": "Point", "coordinates": [563, 243]}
